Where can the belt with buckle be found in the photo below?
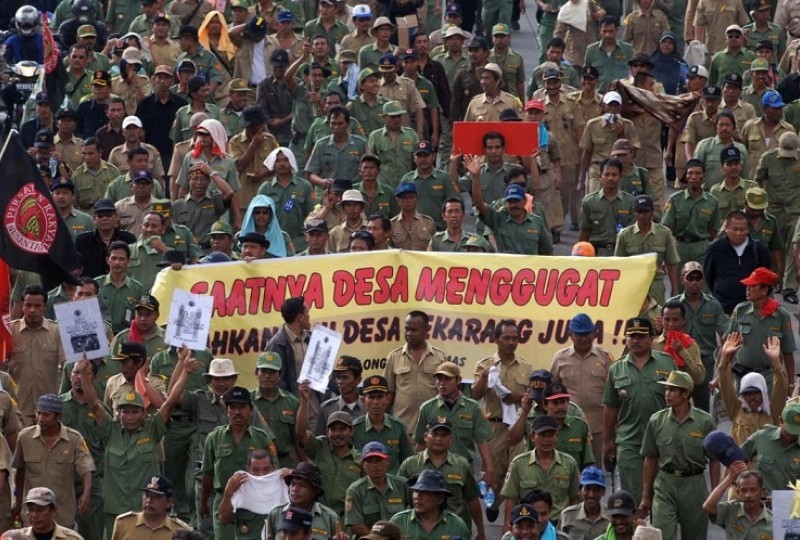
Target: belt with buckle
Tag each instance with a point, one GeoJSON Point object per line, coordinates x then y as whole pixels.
{"type": "Point", "coordinates": [680, 472]}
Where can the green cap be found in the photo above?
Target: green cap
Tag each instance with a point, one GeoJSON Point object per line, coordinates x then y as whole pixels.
{"type": "Point", "coordinates": [759, 64]}
{"type": "Point", "coordinates": [221, 227]}
{"type": "Point", "coordinates": [131, 398]}
{"type": "Point", "coordinates": [239, 4]}
{"type": "Point", "coordinates": [393, 108]}
{"type": "Point", "coordinates": [367, 72]}
{"type": "Point", "coordinates": [476, 241]}
{"type": "Point", "coordinates": [791, 416]}
{"type": "Point", "coordinates": [269, 360]}
{"type": "Point", "coordinates": [238, 85]}
{"type": "Point", "coordinates": [501, 29]}
{"type": "Point", "coordinates": [681, 379]}
{"type": "Point", "coordinates": [162, 206]}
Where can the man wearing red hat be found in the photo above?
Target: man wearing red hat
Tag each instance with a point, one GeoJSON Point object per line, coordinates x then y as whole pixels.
{"type": "Point", "coordinates": [756, 319]}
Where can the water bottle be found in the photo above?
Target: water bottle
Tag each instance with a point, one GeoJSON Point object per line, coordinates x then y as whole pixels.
{"type": "Point", "coordinates": [483, 488]}
{"type": "Point", "coordinates": [488, 499]}
{"type": "Point", "coordinates": [53, 167]}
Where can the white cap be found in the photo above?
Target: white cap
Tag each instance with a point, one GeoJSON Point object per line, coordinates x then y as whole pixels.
{"type": "Point", "coordinates": [361, 10]}
{"type": "Point", "coordinates": [698, 71]}
{"type": "Point", "coordinates": [131, 121]}
{"type": "Point", "coordinates": [611, 97]}
{"type": "Point", "coordinates": [353, 195]}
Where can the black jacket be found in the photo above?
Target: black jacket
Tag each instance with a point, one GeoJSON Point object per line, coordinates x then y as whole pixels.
{"type": "Point", "coordinates": [724, 269]}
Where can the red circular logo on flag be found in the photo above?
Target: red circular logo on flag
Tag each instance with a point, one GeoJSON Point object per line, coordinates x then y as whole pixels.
{"type": "Point", "coordinates": [31, 220]}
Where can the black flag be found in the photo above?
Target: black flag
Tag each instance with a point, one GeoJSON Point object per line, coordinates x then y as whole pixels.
{"type": "Point", "coordinates": [33, 236]}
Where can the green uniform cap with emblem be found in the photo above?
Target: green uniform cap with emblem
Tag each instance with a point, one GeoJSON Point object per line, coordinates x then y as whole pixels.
{"type": "Point", "coordinates": [220, 227]}
{"type": "Point", "coordinates": [680, 379]}
{"type": "Point", "coordinates": [501, 29]}
{"type": "Point", "coordinates": [238, 85]}
{"type": "Point", "coordinates": [393, 108]}
{"type": "Point", "coordinates": [759, 64]}
{"type": "Point", "coordinates": [269, 360]}
{"type": "Point", "coordinates": [791, 416]}
{"type": "Point", "coordinates": [162, 206]}
{"type": "Point", "coordinates": [376, 383]}
{"type": "Point", "coordinates": [86, 30]}
{"type": "Point", "coordinates": [130, 350]}
{"type": "Point", "coordinates": [131, 398]}
{"type": "Point", "coordinates": [756, 198]}
{"type": "Point", "coordinates": [367, 72]}
{"type": "Point", "coordinates": [476, 241]}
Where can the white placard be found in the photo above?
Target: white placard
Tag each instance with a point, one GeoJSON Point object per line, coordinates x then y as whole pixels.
{"type": "Point", "coordinates": [323, 347]}
{"type": "Point", "coordinates": [783, 526]}
{"type": "Point", "coordinates": [189, 320]}
{"type": "Point", "coordinates": [82, 331]}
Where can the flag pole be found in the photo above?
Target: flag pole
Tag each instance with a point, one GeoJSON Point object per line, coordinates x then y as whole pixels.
{"type": "Point", "coordinates": [5, 145]}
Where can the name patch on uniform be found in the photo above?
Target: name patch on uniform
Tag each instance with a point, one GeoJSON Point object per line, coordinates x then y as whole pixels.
{"type": "Point", "coordinates": [696, 435]}
{"type": "Point", "coordinates": [452, 476]}
{"type": "Point", "coordinates": [144, 440]}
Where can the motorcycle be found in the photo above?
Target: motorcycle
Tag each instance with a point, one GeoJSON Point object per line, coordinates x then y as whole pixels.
{"type": "Point", "coordinates": [15, 93]}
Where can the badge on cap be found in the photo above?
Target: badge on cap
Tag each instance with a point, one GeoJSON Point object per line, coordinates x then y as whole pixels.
{"type": "Point", "coordinates": [524, 511]}
{"type": "Point", "coordinates": [374, 380]}
{"type": "Point", "coordinates": [441, 419]}
{"type": "Point", "coordinates": [130, 396]}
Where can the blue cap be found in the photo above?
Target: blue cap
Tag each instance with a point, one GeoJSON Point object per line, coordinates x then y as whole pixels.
{"type": "Point", "coordinates": [374, 448]}
{"type": "Point", "coordinates": [514, 192]}
{"type": "Point", "coordinates": [62, 183]}
{"type": "Point", "coordinates": [773, 99]}
{"type": "Point", "coordinates": [285, 16]}
{"type": "Point", "coordinates": [406, 187]}
{"type": "Point", "coordinates": [388, 59]}
{"type": "Point", "coordinates": [539, 380]}
{"type": "Point", "coordinates": [593, 476]}
{"type": "Point", "coordinates": [581, 324]}
{"type": "Point", "coordinates": [722, 447]}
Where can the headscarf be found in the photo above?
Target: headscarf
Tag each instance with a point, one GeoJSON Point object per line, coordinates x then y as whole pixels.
{"type": "Point", "coordinates": [142, 46]}
{"type": "Point", "coordinates": [575, 13]}
{"type": "Point", "coordinates": [225, 45]}
{"type": "Point", "coordinates": [755, 380]}
{"type": "Point", "coordinates": [277, 245]}
{"type": "Point", "coordinates": [269, 163]}
{"type": "Point", "coordinates": [220, 138]}
{"type": "Point", "coordinates": [669, 69]}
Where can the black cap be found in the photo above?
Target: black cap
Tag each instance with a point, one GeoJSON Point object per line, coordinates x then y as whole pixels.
{"type": "Point", "coordinates": [694, 71]}
{"type": "Point", "coordinates": [733, 78]}
{"type": "Point", "coordinates": [142, 176]}
{"type": "Point", "coordinates": [62, 183]}
{"type": "Point", "coordinates": [591, 72]}
{"type": "Point", "coordinates": [238, 394]}
{"type": "Point", "coordinates": [555, 391]}
{"type": "Point", "coordinates": [478, 42]}
{"type": "Point", "coordinates": [453, 9]}
{"type": "Point", "coordinates": [730, 153]}
{"type": "Point", "coordinates": [159, 485]}
{"type": "Point", "coordinates": [257, 26]}
{"type": "Point", "coordinates": [44, 138]}
{"type": "Point", "coordinates": [173, 256]}
{"type": "Point", "coordinates": [388, 59]}
{"type": "Point", "coordinates": [42, 97]}
{"type": "Point", "coordinates": [643, 203]}
{"type": "Point", "coordinates": [255, 238]}
{"type": "Point", "coordinates": [639, 325]}
{"type": "Point", "coordinates": [641, 58]}
{"type": "Point", "coordinates": [104, 205]}
{"type": "Point", "coordinates": [315, 224]}
{"type": "Point", "coordinates": [409, 53]}
{"type": "Point", "coordinates": [131, 350]}
{"type": "Point", "coordinates": [423, 147]}
{"type": "Point", "coordinates": [712, 92]}
{"type": "Point", "coordinates": [279, 57]}
{"type": "Point", "coordinates": [621, 503]}
{"type": "Point", "coordinates": [253, 116]}
{"type": "Point", "coordinates": [694, 162]}
{"type": "Point", "coordinates": [509, 115]}
{"type": "Point", "coordinates": [543, 423]}
{"type": "Point", "coordinates": [147, 301]}
{"type": "Point", "coordinates": [348, 363]}
{"type": "Point", "coordinates": [307, 471]}
{"type": "Point", "coordinates": [341, 185]}
{"type": "Point", "coordinates": [437, 422]}
{"type": "Point", "coordinates": [765, 44]}
{"type": "Point", "coordinates": [295, 519]}
{"type": "Point", "coordinates": [187, 30]}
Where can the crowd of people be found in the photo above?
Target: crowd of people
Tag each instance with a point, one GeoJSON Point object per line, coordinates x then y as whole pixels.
{"type": "Point", "coordinates": [202, 132]}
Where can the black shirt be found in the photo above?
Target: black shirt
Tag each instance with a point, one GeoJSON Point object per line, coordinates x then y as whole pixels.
{"type": "Point", "coordinates": [93, 251]}
{"type": "Point", "coordinates": [157, 118]}
{"type": "Point", "coordinates": [91, 117]}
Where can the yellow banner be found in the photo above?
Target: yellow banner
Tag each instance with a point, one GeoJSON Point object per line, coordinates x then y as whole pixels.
{"type": "Point", "coordinates": [365, 297]}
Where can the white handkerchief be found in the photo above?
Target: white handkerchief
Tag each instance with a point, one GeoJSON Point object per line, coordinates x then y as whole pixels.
{"type": "Point", "coordinates": [260, 494]}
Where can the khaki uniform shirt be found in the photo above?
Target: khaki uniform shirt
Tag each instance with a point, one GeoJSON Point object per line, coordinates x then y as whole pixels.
{"type": "Point", "coordinates": [405, 91]}
{"type": "Point", "coordinates": [127, 91]}
{"type": "Point", "coordinates": [131, 214]}
{"type": "Point", "coordinates": [237, 147]}
{"type": "Point", "coordinates": [132, 526]}
{"type": "Point", "coordinates": [118, 157]}
{"type": "Point", "coordinates": [413, 236]}
{"type": "Point", "coordinates": [575, 523]}
{"type": "Point", "coordinates": [699, 126]}
{"type": "Point", "coordinates": [481, 108]}
{"type": "Point", "coordinates": [514, 376]}
{"type": "Point", "coordinates": [34, 363]}
{"type": "Point", "coordinates": [598, 138]}
{"type": "Point", "coordinates": [117, 385]}
{"type": "Point", "coordinates": [60, 533]}
{"type": "Point", "coordinates": [693, 364]}
{"type": "Point", "coordinates": [411, 382]}
{"type": "Point", "coordinates": [90, 186]}
{"type": "Point", "coordinates": [757, 143]}
{"type": "Point", "coordinates": [588, 107]}
{"type": "Point", "coordinates": [354, 42]}
{"type": "Point", "coordinates": [59, 467]}
{"type": "Point", "coordinates": [562, 118]}
{"type": "Point", "coordinates": [70, 151]}
{"type": "Point", "coordinates": [643, 30]}
{"type": "Point", "coordinates": [585, 379]}
{"type": "Point", "coordinates": [715, 16]}
{"type": "Point", "coordinates": [166, 51]}
{"type": "Point", "coordinates": [339, 237]}
{"type": "Point", "coordinates": [181, 9]}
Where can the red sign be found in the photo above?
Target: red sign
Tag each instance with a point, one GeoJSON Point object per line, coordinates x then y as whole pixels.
{"type": "Point", "coordinates": [522, 138]}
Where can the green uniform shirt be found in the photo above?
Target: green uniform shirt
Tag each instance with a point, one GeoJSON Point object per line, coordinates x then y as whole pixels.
{"type": "Point", "coordinates": [162, 365]}
{"type": "Point", "coordinates": [678, 445]}
{"type": "Point", "coordinates": [780, 465]}
{"type": "Point", "coordinates": [198, 215]}
{"type": "Point", "coordinates": [119, 301]}
{"type": "Point", "coordinates": [120, 14]}
{"type": "Point", "coordinates": [724, 62]}
{"type": "Point", "coordinates": [370, 55]}
{"type": "Point", "coordinates": [382, 201]}
{"type": "Point", "coordinates": [181, 238]}
{"type": "Point", "coordinates": [209, 413]}
{"type": "Point", "coordinates": [705, 323]}
{"type": "Point", "coordinates": [513, 67]}
{"type": "Point", "coordinates": [611, 66]}
{"type": "Point", "coordinates": [441, 241]}
{"type": "Point", "coordinates": [293, 203]}
{"type": "Point", "coordinates": [433, 192]}
{"type": "Point", "coordinates": [369, 116]}
{"type": "Point", "coordinates": [77, 88]}
{"type": "Point", "coordinates": [396, 155]}
{"type": "Point", "coordinates": [334, 34]}
{"type": "Point", "coordinates": [280, 413]}
{"type": "Point", "coordinates": [689, 219]}
{"type": "Point", "coordinates": [320, 128]}
{"type": "Point", "coordinates": [90, 186]}
{"type": "Point", "coordinates": [658, 240]}
{"type": "Point", "coordinates": [392, 434]}
{"type": "Point", "coordinates": [224, 166]}
{"type": "Point", "coordinates": [79, 416]}
{"type": "Point", "coordinates": [755, 329]}
{"type": "Point", "coordinates": [773, 33]}
{"type": "Point", "coordinates": [364, 503]}
{"type": "Point", "coordinates": [78, 223]}
{"type": "Point", "coordinates": [143, 264]}
{"type": "Point", "coordinates": [636, 393]}
{"type": "Point", "coordinates": [154, 344]}
{"type": "Point", "coordinates": [458, 476]}
{"type": "Point", "coordinates": [105, 370]}
{"type": "Point", "coordinates": [180, 126]}
{"type": "Point", "coordinates": [574, 439]}
{"type": "Point", "coordinates": [777, 175]}
{"type": "Point", "coordinates": [767, 231]}
{"type": "Point", "coordinates": [337, 472]}
{"type": "Point", "coordinates": [561, 480]}
{"type": "Point", "coordinates": [731, 199]}
{"type": "Point", "coordinates": [452, 65]}
{"type": "Point", "coordinates": [122, 187]}
{"type": "Point", "coordinates": [208, 67]}
{"type": "Point", "coordinates": [428, 94]}
{"type": "Point", "coordinates": [603, 218]}
{"type": "Point", "coordinates": [708, 151]}
{"type": "Point", "coordinates": [222, 456]}
{"type": "Point", "coordinates": [323, 522]}
{"type": "Point", "coordinates": [328, 160]}
{"type": "Point", "coordinates": [737, 524]}
{"type": "Point", "coordinates": [528, 237]}
{"type": "Point", "coordinates": [636, 182]}
{"type": "Point", "coordinates": [493, 185]}
{"type": "Point", "coordinates": [449, 525]}
{"type": "Point", "coordinates": [469, 425]}
{"type": "Point", "coordinates": [131, 460]}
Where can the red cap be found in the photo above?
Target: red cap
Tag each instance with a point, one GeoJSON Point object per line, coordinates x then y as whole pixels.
{"type": "Point", "coordinates": [761, 276]}
{"type": "Point", "coordinates": [537, 104]}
